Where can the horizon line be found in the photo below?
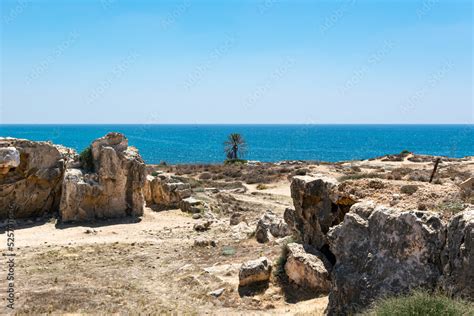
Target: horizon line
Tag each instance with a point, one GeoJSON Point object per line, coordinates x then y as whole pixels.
{"type": "Point", "coordinates": [249, 124]}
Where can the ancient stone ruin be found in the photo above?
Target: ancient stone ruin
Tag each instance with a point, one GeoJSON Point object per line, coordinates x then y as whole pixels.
{"type": "Point", "coordinates": [38, 178]}
{"type": "Point", "coordinates": [30, 177]}
{"type": "Point", "coordinates": [376, 251]}
{"type": "Point", "coordinates": [113, 188]}
{"type": "Point", "coordinates": [165, 191]}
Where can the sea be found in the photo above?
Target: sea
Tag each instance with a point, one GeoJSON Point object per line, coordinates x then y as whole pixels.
{"type": "Point", "coordinates": [181, 144]}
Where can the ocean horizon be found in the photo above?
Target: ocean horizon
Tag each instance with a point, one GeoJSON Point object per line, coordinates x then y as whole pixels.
{"type": "Point", "coordinates": [203, 143]}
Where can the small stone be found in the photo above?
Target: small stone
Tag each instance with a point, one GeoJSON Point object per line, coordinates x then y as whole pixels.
{"type": "Point", "coordinates": [255, 271]}
{"type": "Point", "coordinates": [201, 242]}
{"type": "Point", "coordinates": [197, 216]}
{"type": "Point", "coordinates": [203, 226]}
{"type": "Point", "coordinates": [217, 292]}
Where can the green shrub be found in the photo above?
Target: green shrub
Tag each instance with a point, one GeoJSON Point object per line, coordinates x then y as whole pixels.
{"type": "Point", "coordinates": [281, 261]}
{"type": "Point", "coordinates": [404, 153]}
{"type": "Point", "coordinates": [451, 207]}
{"type": "Point", "coordinates": [234, 161]}
{"type": "Point", "coordinates": [421, 303]}
{"type": "Point", "coordinates": [154, 173]}
{"type": "Point", "coordinates": [85, 157]}
{"type": "Point", "coordinates": [409, 189]}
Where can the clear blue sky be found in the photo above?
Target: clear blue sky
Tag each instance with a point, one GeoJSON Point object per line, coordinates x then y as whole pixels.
{"type": "Point", "coordinates": [261, 61]}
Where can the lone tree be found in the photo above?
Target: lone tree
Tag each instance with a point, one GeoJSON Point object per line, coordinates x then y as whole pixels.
{"type": "Point", "coordinates": [235, 146]}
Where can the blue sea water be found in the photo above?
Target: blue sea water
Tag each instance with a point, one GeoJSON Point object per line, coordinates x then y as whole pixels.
{"type": "Point", "coordinates": [204, 143]}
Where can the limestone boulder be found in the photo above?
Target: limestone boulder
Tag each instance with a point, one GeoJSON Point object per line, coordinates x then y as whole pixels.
{"type": "Point", "coordinates": [319, 205]}
{"type": "Point", "coordinates": [255, 271]}
{"type": "Point", "coordinates": [308, 268]}
{"type": "Point", "coordinates": [458, 256]}
{"type": "Point", "coordinates": [381, 252]}
{"type": "Point", "coordinates": [30, 177]}
{"type": "Point", "coordinates": [112, 189]}
{"type": "Point", "coordinates": [165, 191]}
{"type": "Point", "coordinates": [271, 226]}
{"type": "Point", "coordinates": [191, 205]}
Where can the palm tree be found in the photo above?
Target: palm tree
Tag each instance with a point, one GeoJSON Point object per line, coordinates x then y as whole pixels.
{"type": "Point", "coordinates": [235, 146]}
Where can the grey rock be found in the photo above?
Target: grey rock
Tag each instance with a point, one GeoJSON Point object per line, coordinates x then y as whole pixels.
{"type": "Point", "coordinates": [255, 271]}
{"type": "Point", "coordinates": [319, 205]}
{"type": "Point", "coordinates": [203, 226]}
{"type": "Point", "coordinates": [270, 226]}
{"type": "Point", "coordinates": [458, 256]}
{"type": "Point", "coordinates": [308, 267]}
{"type": "Point", "coordinates": [380, 252]}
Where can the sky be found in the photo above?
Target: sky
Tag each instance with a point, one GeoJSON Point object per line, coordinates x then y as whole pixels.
{"type": "Point", "coordinates": [223, 62]}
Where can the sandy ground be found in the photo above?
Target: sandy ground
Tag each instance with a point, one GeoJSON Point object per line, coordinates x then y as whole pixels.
{"type": "Point", "coordinates": [148, 265]}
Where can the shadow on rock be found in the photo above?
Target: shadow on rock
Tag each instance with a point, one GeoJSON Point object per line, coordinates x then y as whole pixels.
{"type": "Point", "coordinates": [254, 289]}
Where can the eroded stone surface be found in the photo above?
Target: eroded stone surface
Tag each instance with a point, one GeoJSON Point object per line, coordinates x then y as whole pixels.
{"type": "Point", "coordinates": [318, 206]}
{"type": "Point", "coordinates": [308, 267]}
{"type": "Point", "coordinates": [458, 256]}
{"type": "Point", "coordinates": [114, 189]}
{"type": "Point", "coordinates": [255, 271]}
{"type": "Point", "coordinates": [382, 251]}
{"type": "Point", "coordinates": [165, 191]}
{"type": "Point", "coordinates": [270, 226]}
{"type": "Point", "coordinates": [30, 177]}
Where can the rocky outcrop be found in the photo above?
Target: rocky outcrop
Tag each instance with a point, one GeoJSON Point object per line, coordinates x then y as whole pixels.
{"type": "Point", "coordinates": [319, 205]}
{"type": "Point", "coordinates": [270, 226]}
{"type": "Point", "coordinates": [30, 177]}
{"type": "Point", "coordinates": [255, 271]}
{"type": "Point", "coordinates": [308, 267]}
{"type": "Point", "coordinates": [191, 205]}
{"type": "Point", "coordinates": [458, 256]}
{"type": "Point", "coordinates": [165, 191]}
{"type": "Point", "coordinates": [112, 189]}
{"type": "Point", "coordinates": [380, 252]}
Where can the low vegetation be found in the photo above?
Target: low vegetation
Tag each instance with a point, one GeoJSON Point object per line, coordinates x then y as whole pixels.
{"type": "Point", "coordinates": [86, 159]}
{"type": "Point", "coordinates": [451, 207]}
{"type": "Point", "coordinates": [422, 303]}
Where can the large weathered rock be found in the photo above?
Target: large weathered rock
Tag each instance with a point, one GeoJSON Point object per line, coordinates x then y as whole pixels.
{"type": "Point", "coordinates": [270, 225]}
{"type": "Point", "coordinates": [308, 267]}
{"type": "Point", "coordinates": [114, 189]}
{"type": "Point", "coordinates": [255, 271]}
{"type": "Point", "coordinates": [319, 205]}
{"type": "Point", "coordinates": [458, 256]}
{"type": "Point", "coordinates": [165, 191]}
{"type": "Point", "coordinates": [30, 177]}
{"type": "Point", "coordinates": [382, 251]}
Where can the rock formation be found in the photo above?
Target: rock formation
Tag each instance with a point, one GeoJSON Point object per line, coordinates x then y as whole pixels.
{"type": "Point", "coordinates": [165, 191]}
{"type": "Point", "coordinates": [381, 251]}
{"type": "Point", "coordinates": [378, 251]}
{"type": "Point", "coordinates": [319, 205]}
{"type": "Point", "coordinates": [255, 271]}
{"type": "Point", "coordinates": [458, 256]}
{"type": "Point", "coordinates": [30, 177]}
{"type": "Point", "coordinates": [308, 267]}
{"type": "Point", "coordinates": [112, 189]}
{"type": "Point", "coordinates": [270, 226]}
